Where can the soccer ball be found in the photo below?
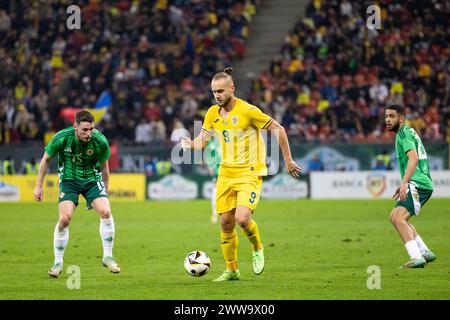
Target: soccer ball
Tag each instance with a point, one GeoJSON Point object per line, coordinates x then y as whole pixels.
{"type": "Point", "coordinates": [197, 263]}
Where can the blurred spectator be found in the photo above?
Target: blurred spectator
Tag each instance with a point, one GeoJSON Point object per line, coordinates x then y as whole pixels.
{"type": "Point", "coordinates": [30, 167]}
{"type": "Point", "coordinates": [143, 133]}
{"type": "Point", "coordinates": [163, 167]}
{"type": "Point", "coordinates": [5, 23]}
{"type": "Point", "coordinates": [378, 91]}
{"type": "Point", "coordinates": [315, 163]}
{"type": "Point", "coordinates": [382, 161]}
{"type": "Point", "coordinates": [379, 165]}
{"type": "Point", "coordinates": [149, 166]}
{"type": "Point", "coordinates": [8, 166]}
{"type": "Point", "coordinates": [179, 131]}
{"type": "Point", "coordinates": [114, 160]}
{"type": "Point", "coordinates": [448, 132]}
{"type": "Point", "coordinates": [188, 108]}
{"type": "Point", "coordinates": [159, 132]}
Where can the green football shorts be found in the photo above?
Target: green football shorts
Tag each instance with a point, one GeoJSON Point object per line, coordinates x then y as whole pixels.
{"type": "Point", "coordinates": [90, 190]}
{"type": "Point", "coordinates": [415, 200]}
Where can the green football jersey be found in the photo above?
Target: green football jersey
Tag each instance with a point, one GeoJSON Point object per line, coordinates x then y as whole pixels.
{"type": "Point", "coordinates": [212, 156]}
{"type": "Point", "coordinates": [407, 139]}
{"type": "Point", "coordinates": [79, 160]}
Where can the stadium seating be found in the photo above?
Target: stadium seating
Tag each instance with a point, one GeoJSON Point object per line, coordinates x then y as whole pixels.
{"type": "Point", "coordinates": [155, 58]}
{"type": "Point", "coordinates": [334, 76]}
{"type": "Point", "coordinates": [330, 82]}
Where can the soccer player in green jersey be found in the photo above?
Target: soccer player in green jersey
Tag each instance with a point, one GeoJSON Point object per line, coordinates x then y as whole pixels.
{"type": "Point", "coordinates": [416, 187]}
{"type": "Point", "coordinates": [83, 154]}
{"type": "Point", "coordinates": [212, 159]}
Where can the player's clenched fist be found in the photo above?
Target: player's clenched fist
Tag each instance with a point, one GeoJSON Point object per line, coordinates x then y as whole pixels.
{"type": "Point", "coordinates": [38, 194]}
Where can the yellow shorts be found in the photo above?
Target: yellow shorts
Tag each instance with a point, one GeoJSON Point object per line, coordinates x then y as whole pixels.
{"type": "Point", "coordinates": [232, 192]}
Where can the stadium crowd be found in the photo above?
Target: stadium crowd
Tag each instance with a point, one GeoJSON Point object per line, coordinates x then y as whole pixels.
{"type": "Point", "coordinates": [330, 82]}
{"type": "Point", "coordinates": [156, 58]}
{"type": "Point", "coordinates": [334, 75]}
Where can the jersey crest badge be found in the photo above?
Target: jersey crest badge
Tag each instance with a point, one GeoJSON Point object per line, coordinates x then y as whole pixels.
{"type": "Point", "coordinates": [90, 152]}
{"type": "Point", "coordinates": [234, 120]}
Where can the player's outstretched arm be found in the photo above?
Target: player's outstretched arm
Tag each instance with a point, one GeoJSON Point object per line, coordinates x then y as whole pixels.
{"type": "Point", "coordinates": [198, 143]}
{"type": "Point", "coordinates": [43, 167]}
{"type": "Point", "coordinates": [293, 169]}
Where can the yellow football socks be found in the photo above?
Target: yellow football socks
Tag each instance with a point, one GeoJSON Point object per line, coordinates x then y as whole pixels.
{"type": "Point", "coordinates": [252, 233]}
{"type": "Point", "coordinates": [229, 245]}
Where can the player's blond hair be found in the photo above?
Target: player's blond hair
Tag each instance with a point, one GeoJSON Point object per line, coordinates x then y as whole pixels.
{"type": "Point", "coordinates": [225, 74]}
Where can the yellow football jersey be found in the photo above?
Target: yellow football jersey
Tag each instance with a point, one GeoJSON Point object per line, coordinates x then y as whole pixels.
{"type": "Point", "coordinates": [242, 145]}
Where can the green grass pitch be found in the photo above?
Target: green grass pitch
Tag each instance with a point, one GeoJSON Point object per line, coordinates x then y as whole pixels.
{"type": "Point", "coordinates": [314, 250]}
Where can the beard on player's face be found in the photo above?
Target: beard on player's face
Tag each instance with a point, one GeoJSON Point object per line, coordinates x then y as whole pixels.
{"type": "Point", "coordinates": [394, 125]}
{"type": "Point", "coordinates": [224, 101]}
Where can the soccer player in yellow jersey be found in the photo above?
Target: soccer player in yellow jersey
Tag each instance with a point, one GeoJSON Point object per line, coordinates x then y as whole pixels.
{"type": "Point", "coordinates": [237, 126]}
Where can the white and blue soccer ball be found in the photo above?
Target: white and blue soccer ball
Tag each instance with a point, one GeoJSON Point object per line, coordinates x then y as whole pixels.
{"type": "Point", "coordinates": [197, 263]}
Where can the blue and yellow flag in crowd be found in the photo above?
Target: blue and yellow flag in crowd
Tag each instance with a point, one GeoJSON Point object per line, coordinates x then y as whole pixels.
{"type": "Point", "coordinates": [98, 111]}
